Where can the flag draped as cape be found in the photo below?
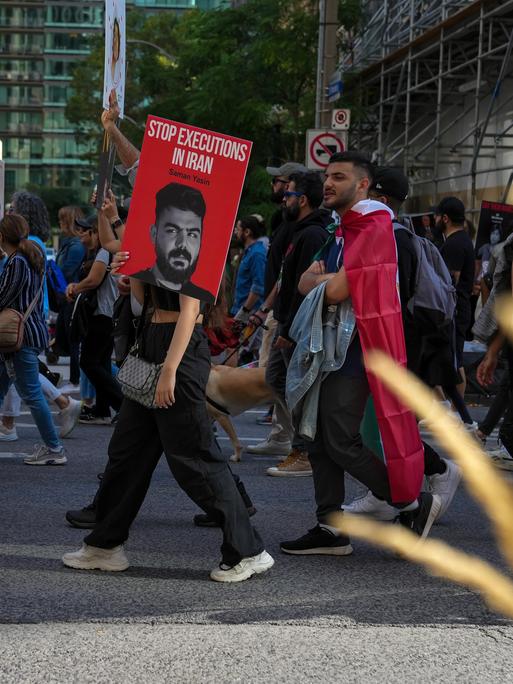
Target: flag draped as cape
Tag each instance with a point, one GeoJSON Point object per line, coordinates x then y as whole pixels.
{"type": "Point", "coordinates": [370, 262]}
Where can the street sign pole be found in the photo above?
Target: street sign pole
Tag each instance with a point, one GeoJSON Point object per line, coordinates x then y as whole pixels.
{"type": "Point", "coordinates": [326, 59]}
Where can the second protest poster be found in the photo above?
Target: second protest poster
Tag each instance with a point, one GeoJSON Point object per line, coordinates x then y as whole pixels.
{"type": "Point", "coordinates": [184, 207]}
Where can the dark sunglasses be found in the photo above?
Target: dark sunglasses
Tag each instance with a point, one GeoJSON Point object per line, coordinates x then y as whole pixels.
{"type": "Point", "coordinates": [292, 193]}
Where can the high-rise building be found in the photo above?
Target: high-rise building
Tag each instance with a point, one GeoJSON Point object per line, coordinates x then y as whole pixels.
{"type": "Point", "coordinates": [40, 43]}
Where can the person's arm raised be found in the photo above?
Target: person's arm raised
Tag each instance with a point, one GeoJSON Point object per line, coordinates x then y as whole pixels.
{"type": "Point", "coordinates": [127, 153]}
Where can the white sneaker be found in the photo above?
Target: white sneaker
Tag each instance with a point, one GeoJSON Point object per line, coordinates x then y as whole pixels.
{"type": "Point", "coordinates": [68, 388]}
{"type": "Point", "coordinates": [247, 567]}
{"type": "Point", "coordinates": [372, 506]}
{"type": "Point", "coordinates": [70, 416]}
{"type": "Point", "coordinates": [8, 434]}
{"type": "Point", "coordinates": [445, 485]}
{"type": "Point", "coordinates": [93, 558]}
{"type": "Point", "coordinates": [43, 455]}
{"type": "Point", "coordinates": [501, 458]}
{"type": "Point", "coordinates": [270, 446]}
{"type": "Point", "coordinates": [473, 429]}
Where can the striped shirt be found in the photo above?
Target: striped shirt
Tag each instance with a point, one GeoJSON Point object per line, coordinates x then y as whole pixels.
{"type": "Point", "coordinates": [19, 284]}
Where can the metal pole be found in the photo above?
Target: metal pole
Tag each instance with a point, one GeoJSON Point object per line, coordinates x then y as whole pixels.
{"type": "Point", "coordinates": [408, 97]}
{"type": "Point", "coordinates": [476, 104]}
{"type": "Point", "coordinates": [320, 62]}
{"type": "Point", "coordinates": [156, 47]}
{"type": "Point", "coordinates": [330, 58]}
{"type": "Point", "coordinates": [495, 95]}
{"type": "Point", "coordinates": [439, 97]}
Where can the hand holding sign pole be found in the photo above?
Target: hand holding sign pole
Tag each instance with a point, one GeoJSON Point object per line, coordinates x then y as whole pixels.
{"type": "Point", "coordinates": [184, 207]}
{"type": "Point", "coordinates": [113, 88]}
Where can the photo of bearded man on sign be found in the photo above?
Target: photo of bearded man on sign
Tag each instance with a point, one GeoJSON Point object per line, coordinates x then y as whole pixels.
{"type": "Point", "coordinates": [176, 236]}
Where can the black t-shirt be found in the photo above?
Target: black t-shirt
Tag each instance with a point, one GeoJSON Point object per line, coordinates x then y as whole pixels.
{"type": "Point", "coordinates": [277, 249]}
{"type": "Point", "coordinates": [458, 253]}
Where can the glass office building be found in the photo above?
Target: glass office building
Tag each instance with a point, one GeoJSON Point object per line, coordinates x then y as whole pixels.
{"type": "Point", "coordinates": [40, 43]}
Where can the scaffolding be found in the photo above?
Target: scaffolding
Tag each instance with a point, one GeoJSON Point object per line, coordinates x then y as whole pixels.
{"type": "Point", "coordinates": [432, 89]}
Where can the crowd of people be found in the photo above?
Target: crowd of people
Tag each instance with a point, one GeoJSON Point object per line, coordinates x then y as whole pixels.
{"type": "Point", "coordinates": [336, 273]}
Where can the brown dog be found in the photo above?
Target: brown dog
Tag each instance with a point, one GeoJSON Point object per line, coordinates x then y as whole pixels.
{"type": "Point", "coordinates": [230, 392]}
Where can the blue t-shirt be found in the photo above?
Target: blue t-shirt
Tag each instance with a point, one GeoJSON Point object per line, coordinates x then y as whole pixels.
{"type": "Point", "coordinates": [250, 276]}
{"type": "Point", "coordinates": [353, 365]}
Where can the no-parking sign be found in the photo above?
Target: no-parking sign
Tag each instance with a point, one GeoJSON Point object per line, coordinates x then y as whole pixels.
{"type": "Point", "coordinates": [341, 119]}
{"type": "Point", "coordinates": [321, 144]}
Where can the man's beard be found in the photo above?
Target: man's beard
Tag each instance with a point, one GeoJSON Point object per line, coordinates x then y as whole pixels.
{"type": "Point", "coordinates": [277, 196]}
{"type": "Point", "coordinates": [438, 230]}
{"type": "Point", "coordinates": [290, 213]}
{"type": "Point", "coordinates": [172, 274]}
{"type": "Point", "coordinates": [343, 201]}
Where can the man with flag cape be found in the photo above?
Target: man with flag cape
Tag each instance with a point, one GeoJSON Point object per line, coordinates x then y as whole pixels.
{"type": "Point", "coordinates": [366, 272]}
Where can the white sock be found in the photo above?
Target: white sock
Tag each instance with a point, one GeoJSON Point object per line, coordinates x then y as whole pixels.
{"type": "Point", "coordinates": [331, 529]}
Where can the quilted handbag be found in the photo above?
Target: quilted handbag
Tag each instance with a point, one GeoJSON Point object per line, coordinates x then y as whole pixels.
{"type": "Point", "coordinates": [138, 379]}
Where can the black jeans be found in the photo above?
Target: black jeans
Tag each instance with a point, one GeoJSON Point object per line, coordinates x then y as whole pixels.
{"type": "Point", "coordinates": [276, 377]}
{"type": "Point", "coordinates": [96, 362]}
{"type": "Point", "coordinates": [183, 432]}
{"type": "Point", "coordinates": [338, 445]}
{"type": "Point", "coordinates": [65, 344]}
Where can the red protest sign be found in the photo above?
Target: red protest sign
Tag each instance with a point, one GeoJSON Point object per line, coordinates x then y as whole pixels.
{"type": "Point", "coordinates": [184, 207]}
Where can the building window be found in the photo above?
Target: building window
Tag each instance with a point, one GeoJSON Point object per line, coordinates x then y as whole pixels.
{"type": "Point", "coordinates": [83, 16]}
{"type": "Point", "coordinates": [21, 95]}
{"type": "Point", "coordinates": [22, 44]}
{"type": "Point", "coordinates": [21, 122]}
{"type": "Point", "coordinates": [56, 94]}
{"type": "Point", "coordinates": [21, 70]}
{"type": "Point", "coordinates": [65, 42]}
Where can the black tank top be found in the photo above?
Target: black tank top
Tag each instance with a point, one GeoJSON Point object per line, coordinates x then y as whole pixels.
{"type": "Point", "coordinates": [167, 300]}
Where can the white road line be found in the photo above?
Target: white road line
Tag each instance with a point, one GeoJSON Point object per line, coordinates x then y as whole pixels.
{"type": "Point", "coordinates": [13, 454]}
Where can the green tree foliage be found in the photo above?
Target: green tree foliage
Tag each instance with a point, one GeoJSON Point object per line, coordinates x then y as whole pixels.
{"type": "Point", "coordinates": [248, 71]}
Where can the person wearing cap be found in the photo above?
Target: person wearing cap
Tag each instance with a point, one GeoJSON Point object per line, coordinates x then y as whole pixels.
{"type": "Point", "coordinates": [457, 251]}
{"type": "Point", "coordinates": [97, 345]}
{"type": "Point", "coordinates": [278, 441]}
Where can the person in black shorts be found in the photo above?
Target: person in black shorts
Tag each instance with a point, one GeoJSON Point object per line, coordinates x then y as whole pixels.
{"type": "Point", "coordinates": [457, 251]}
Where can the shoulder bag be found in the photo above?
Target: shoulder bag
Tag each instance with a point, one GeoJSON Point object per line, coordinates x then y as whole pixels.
{"type": "Point", "coordinates": [139, 378]}
{"type": "Point", "coordinates": [12, 325]}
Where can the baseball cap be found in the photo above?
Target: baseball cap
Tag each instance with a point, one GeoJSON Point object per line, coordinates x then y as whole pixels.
{"type": "Point", "coordinates": [86, 223]}
{"type": "Point", "coordinates": [286, 169]}
{"type": "Point", "coordinates": [453, 207]}
{"type": "Point", "coordinates": [391, 182]}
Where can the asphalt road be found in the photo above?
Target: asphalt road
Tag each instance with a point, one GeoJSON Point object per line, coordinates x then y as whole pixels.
{"type": "Point", "coordinates": [348, 619]}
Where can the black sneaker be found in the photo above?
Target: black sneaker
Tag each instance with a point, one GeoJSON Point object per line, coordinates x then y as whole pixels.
{"type": "Point", "coordinates": [318, 540]}
{"type": "Point", "coordinates": [85, 518]}
{"type": "Point", "coordinates": [421, 520]}
{"type": "Point", "coordinates": [204, 520]}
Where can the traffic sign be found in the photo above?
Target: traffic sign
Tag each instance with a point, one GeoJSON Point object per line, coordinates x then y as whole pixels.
{"type": "Point", "coordinates": [321, 144]}
{"type": "Point", "coordinates": [341, 119]}
{"type": "Point", "coordinates": [335, 86]}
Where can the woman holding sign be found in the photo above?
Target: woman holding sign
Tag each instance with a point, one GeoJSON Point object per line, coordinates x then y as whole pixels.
{"type": "Point", "coordinates": [171, 335]}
